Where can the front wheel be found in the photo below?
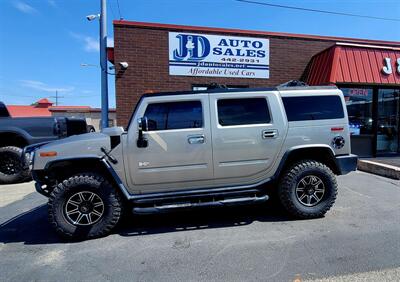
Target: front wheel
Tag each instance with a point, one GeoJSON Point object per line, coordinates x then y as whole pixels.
{"type": "Point", "coordinates": [308, 189]}
{"type": "Point", "coordinates": [84, 206]}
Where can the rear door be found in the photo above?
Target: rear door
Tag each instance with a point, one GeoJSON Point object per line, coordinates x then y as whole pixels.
{"type": "Point", "coordinates": [248, 130]}
{"type": "Point", "coordinates": [179, 152]}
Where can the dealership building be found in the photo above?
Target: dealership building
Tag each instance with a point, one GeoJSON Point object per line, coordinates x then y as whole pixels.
{"type": "Point", "coordinates": [164, 57]}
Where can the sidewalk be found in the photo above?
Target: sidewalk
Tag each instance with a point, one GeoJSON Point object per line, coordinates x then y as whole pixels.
{"type": "Point", "coordinates": [384, 166]}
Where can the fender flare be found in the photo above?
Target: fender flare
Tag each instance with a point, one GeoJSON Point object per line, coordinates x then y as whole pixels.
{"type": "Point", "coordinates": [104, 163]}
{"type": "Point", "coordinates": [295, 149]}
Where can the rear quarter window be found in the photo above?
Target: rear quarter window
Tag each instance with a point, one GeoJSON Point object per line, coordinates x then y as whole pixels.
{"type": "Point", "coordinates": [313, 108]}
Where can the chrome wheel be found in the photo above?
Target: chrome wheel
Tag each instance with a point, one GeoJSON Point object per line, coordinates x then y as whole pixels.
{"type": "Point", "coordinates": [84, 208]}
{"type": "Point", "coordinates": [310, 190]}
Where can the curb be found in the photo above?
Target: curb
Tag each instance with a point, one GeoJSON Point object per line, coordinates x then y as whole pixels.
{"type": "Point", "coordinates": [389, 171]}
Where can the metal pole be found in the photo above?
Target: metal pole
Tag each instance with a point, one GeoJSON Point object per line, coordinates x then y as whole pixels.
{"type": "Point", "coordinates": [103, 64]}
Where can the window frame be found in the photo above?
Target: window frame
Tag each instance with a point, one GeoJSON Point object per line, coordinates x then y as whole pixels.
{"type": "Point", "coordinates": [313, 97]}
{"type": "Point", "coordinates": [177, 129]}
{"type": "Point", "coordinates": [246, 124]}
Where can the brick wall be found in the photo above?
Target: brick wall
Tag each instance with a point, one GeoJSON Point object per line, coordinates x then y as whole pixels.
{"type": "Point", "coordinates": [146, 51]}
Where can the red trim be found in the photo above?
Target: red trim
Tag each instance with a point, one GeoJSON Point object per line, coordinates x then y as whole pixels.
{"type": "Point", "coordinates": [110, 54]}
{"type": "Point", "coordinates": [249, 32]}
{"type": "Point", "coordinates": [337, 128]}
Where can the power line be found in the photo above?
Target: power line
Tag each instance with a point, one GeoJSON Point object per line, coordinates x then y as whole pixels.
{"type": "Point", "coordinates": [317, 11]}
{"type": "Point", "coordinates": [112, 10]}
{"type": "Point", "coordinates": [119, 11]}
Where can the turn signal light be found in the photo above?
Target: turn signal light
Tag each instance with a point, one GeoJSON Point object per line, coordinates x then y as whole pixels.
{"type": "Point", "coordinates": [48, 154]}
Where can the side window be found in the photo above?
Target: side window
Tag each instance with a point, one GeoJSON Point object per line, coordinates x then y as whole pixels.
{"type": "Point", "coordinates": [174, 115]}
{"type": "Point", "coordinates": [313, 108]}
{"type": "Point", "coordinates": [243, 111]}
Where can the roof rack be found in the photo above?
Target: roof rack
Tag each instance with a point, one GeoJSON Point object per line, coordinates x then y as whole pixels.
{"type": "Point", "coordinates": [217, 86]}
{"type": "Point", "coordinates": [299, 85]}
{"type": "Point", "coordinates": [293, 83]}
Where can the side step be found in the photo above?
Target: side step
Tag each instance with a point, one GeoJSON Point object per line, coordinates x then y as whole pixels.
{"type": "Point", "coordinates": [165, 207]}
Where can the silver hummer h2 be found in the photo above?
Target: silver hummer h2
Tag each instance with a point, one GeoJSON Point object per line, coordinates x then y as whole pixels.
{"type": "Point", "coordinates": [199, 149]}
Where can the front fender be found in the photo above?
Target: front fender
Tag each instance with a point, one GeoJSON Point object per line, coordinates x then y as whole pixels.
{"type": "Point", "coordinates": [83, 146]}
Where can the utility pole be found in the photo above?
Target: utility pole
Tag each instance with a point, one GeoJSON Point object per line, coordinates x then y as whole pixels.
{"type": "Point", "coordinates": [103, 64]}
{"type": "Point", "coordinates": [56, 97]}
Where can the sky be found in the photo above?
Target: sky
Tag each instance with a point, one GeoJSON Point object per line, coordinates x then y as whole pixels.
{"type": "Point", "coordinates": [44, 42]}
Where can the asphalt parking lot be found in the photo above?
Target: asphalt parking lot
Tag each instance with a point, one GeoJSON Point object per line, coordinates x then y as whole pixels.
{"type": "Point", "coordinates": [358, 240]}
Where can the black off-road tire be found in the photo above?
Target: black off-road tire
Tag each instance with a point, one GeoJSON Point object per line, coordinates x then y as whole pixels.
{"type": "Point", "coordinates": [11, 169]}
{"type": "Point", "coordinates": [79, 183]}
{"type": "Point", "coordinates": [292, 177]}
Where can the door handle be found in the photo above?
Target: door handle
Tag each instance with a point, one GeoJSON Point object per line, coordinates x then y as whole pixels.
{"type": "Point", "coordinates": [196, 139]}
{"type": "Point", "coordinates": [271, 133]}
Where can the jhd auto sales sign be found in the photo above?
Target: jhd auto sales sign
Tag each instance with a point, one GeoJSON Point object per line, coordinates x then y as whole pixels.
{"type": "Point", "coordinates": [218, 55]}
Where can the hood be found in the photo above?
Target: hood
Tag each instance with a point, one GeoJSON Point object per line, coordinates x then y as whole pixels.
{"type": "Point", "coordinates": [113, 131]}
{"type": "Point", "coordinates": [78, 146]}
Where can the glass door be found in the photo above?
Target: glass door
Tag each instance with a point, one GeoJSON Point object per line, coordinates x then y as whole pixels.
{"type": "Point", "coordinates": [388, 121]}
{"type": "Point", "coordinates": [360, 111]}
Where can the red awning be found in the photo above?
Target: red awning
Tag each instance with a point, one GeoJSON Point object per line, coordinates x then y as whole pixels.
{"type": "Point", "coordinates": [353, 63]}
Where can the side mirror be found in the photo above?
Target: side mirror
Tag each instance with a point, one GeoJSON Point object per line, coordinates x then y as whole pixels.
{"type": "Point", "coordinates": [143, 125]}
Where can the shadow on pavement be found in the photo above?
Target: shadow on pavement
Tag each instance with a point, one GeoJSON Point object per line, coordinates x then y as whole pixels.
{"type": "Point", "coordinates": [33, 228]}
{"type": "Point", "coordinates": [139, 225]}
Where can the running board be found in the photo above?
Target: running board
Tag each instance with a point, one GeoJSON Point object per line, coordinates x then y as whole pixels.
{"type": "Point", "coordinates": [199, 204]}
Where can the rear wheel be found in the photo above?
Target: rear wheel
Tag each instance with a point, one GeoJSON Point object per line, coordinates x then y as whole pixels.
{"type": "Point", "coordinates": [308, 189]}
{"type": "Point", "coordinates": [84, 206]}
{"type": "Point", "coordinates": [11, 169]}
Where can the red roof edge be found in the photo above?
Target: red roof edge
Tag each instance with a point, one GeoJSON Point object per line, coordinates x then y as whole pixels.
{"type": "Point", "coordinates": [252, 32]}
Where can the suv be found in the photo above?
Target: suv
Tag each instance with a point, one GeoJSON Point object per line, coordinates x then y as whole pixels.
{"type": "Point", "coordinates": [18, 132]}
{"type": "Point", "coordinates": [200, 149]}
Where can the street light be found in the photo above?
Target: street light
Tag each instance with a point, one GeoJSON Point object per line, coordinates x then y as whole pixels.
{"type": "Point", "coordinates": [92, 17]}
{"type": "Point", "coordinates": [103, 60]}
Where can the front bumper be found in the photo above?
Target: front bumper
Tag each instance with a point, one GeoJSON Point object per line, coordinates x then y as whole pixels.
{"type": "Point", "coordinates": [346, 163]}
{"type": "Point", "coordinates": [40, 183]}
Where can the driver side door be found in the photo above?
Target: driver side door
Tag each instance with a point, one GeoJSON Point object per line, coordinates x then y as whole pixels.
{"type": "Point", "coordinates": [179, 153]}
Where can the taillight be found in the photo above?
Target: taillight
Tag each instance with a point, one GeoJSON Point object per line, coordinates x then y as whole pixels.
{"type": "Point", "coordinates": [337, 129]}
{"type": "Point", "coordinates": [56, 127]}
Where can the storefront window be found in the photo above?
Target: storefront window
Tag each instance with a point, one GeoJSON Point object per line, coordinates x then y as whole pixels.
{"type": "Point", "coordinates": [359, 109]}
{"type": "Point", "coordinates": [388, 120]}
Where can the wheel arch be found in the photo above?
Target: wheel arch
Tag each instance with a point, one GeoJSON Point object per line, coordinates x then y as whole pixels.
{"type": "Point", "coordinates": [11, 138]}
{"type": "Point", "coordinates": [59, 170]}
{"type": "Point", "coordinates": [321, 153]}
